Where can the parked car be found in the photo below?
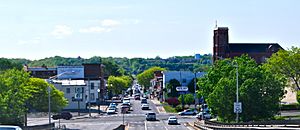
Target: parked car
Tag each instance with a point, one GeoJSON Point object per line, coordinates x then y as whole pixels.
{"type": "Point", "coordinates": [151, 116]}
{"type": "Point", "coordinates": [111, 110]}
{"type": "Point", "coordinates": [63, 115]}
{"type": "Point", "coordinates": [188, 112]}
{"type": "Point", "coordinates": [203, 115]}
{"type": "Point", "coordinates": [145, 106]}
{"type": "Point", "coordinates": [9, 127]}
{"type": "Point", "coordinates": [172, 120]}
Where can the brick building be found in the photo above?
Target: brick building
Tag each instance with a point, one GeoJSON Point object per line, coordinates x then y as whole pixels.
{"type": "Point", "coordinates": [223, 49]}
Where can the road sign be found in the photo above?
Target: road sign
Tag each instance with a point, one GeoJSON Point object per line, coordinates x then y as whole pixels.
{"type": "Point", "coordinates": [237, 107]}
{"type": "Point", "coordinates": [182, 88]}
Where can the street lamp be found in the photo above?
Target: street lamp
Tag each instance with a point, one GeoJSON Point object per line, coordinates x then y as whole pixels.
{"type": "Point", "coordinates": [49, 80]}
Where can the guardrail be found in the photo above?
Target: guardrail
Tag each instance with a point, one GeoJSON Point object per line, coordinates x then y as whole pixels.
{"type": "Point", "coordinates": [274, 123]}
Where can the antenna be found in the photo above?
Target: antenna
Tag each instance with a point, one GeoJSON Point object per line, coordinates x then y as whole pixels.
{"type": "Point", "coordinates": [216, 24]}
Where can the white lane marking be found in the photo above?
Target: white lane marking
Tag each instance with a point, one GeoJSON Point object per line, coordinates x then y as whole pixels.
{"type": "Point", "coordinates": [145, 125]}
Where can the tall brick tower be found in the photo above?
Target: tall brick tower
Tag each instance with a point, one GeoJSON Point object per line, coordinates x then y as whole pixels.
{"type": "Point", "coordinates": [220, 48]}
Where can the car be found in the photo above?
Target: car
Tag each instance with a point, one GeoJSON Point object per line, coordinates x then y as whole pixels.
{"type": "Point", "coordinates": [63, 115]}
{"type": "Point", "coordinates": [151, 116]}
{"type": "Point", "coordinates": [127, 105]}
{"type": "Point", "coordinates": [9, 127]}
{"type": "Point", "coordinates": [145, 106]}
{"type": "Point", "coordinates": [203, 115]}
{"type": "Point", "coordinates": [172, 120]}
{"type": "Point", "coordinates": [111, 110]}
{"type": "Point", "coordinates": [113, 105]}
{"type": "Point", "coordinates": [188, 112]}
{"type": "Point", "coordinates": [126, 100]}
{"type": "Point", "coordinates": [137, 97]}
{"type": "Point", "coordinates": [144, 101]}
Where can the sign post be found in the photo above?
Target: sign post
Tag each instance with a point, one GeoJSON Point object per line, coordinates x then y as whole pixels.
{"type": "Point", "coordinates": [237, 107]}
{"type": "Point", "coordinates": [182, 90]}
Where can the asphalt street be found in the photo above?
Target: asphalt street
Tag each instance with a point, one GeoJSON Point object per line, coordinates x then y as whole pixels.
{"type": "Point", "coordinates": [135, 120]}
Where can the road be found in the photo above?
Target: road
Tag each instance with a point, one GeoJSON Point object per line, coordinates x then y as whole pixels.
{"type": "Point", "coordinates": [135, 120]}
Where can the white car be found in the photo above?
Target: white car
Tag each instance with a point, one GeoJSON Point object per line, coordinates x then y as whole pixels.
{"type": "Point", "coordinates": [145, 106]}
{"type": "Point", "coordinates": [111, 110]}
{"type": "Point", "coordinates": [9, 127]}
{"type": "Point", "coordinates": [203, 115]}
{"type": "Point", "coordinates": [172, 120]}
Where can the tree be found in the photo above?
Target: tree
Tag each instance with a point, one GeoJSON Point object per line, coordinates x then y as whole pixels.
{"type": "Point", "coordinates": [38, 100]}
{"type": "Point", "coordinates": [6, 64]}
{"type": "Point", "coordinates": [259, 90]}
{"type": "Point", "coordinates": [188, 99]}
{"type": "Point", "coordinates": [13, 95]}
{"type": "Point", "coordinates": [287, 64]}
{"type": "Point", "coordinates": [171, 86]}
{"type": "Point", "coordinates": [145, 77]}
{"type": "Point", "coordinates": [117, 84]}
{"type": "Point", "coordinates": [19, 94]}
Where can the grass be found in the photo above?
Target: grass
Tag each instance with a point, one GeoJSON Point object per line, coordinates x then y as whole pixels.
{"type": "Point", "coordinates": [168, 108]}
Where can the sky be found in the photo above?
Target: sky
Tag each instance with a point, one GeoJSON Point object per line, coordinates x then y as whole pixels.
{"type": "Point", "coordinates": [36, 29]}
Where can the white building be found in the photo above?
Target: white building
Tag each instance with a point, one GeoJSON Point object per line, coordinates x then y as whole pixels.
{"type": "Point", "coordinates": [85, 90]}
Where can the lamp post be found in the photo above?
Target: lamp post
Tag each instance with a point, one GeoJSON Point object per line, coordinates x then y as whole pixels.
{"type": "Point", "coordinates": [237, 91]}
{"type": "Point", "coordinates": [49, 80]}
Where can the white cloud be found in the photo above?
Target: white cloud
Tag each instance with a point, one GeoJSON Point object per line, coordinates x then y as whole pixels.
{"type": "Point", "coordinates": [95, 30]}
{"type": "Point", "coordinates": [61, 31]}
{"type": "Point", "coordinates": [35, 40]}
{"type": "Point", "coordinates": [110, 23]}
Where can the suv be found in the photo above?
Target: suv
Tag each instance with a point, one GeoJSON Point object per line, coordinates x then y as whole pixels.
{"type": "Point", "coordinates": [151, 116]}
{"type": "Point", "coordinates": [63, 115]}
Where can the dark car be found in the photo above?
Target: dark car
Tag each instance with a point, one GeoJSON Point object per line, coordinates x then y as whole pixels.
{"type": "Point", "coordinates": [63, 115]}
{"type": "Point", "coordinates": [137, 97]}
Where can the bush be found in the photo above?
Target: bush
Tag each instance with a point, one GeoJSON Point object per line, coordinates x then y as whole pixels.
{"type": "Point", "coordinates": [172, 101]}
{"type": "Point", "coordinates": [179, 108]}
{"type": "Point", "coordinates": [169, 109]}
{"type": "Point", "coordinates": [295, 106]}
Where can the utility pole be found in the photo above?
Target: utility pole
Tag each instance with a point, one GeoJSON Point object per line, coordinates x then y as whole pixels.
{"type": "Point", "coordinates": [89, 101]}
{"type": "Point", "coordinates": [237, 91]}
{"type": "Point", "coordinates": [195, 85]}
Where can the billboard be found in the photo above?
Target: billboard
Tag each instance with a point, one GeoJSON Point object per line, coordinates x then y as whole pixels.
{"type": "Point", "coordinates": [70, 72]}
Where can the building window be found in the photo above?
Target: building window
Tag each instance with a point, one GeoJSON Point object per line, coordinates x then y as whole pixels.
{"type": "Point", "coordinates": [92, 85]}
{"type": "Point", "coordinates": [68, 90]}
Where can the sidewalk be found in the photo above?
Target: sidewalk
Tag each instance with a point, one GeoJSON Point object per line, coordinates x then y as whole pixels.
{"type": "Point", "coordinates": [158, 105]}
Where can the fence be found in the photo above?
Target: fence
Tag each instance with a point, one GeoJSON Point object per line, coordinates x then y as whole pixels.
{"type": "Point", "coordinates": [246, 125]}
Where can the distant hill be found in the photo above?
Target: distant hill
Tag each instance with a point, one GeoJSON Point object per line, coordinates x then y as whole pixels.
{"type": "Point", "coordinates": [126, 65]}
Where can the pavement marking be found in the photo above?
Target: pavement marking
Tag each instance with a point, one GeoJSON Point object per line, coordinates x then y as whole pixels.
{"type": "Point", "coordinates": [145, 125]}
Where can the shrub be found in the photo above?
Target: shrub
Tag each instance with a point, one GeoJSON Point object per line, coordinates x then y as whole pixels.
{"type": "Point", "coordinates": [169, 109]}
{"type": "Point", "coordinates": [178, 108]}
{"type": "Point", "coordinates": [172, 101]}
